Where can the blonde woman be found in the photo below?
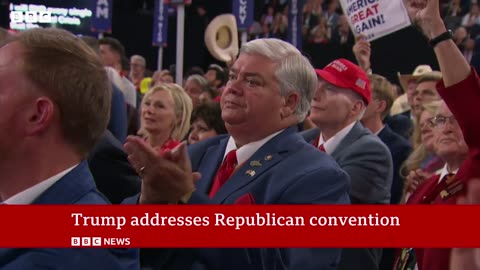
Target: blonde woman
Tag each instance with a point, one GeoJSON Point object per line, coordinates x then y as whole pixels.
{"type": "Point", "coordinates": [423, 162]}
{"type": "Point", "coordinates": [165, 116]}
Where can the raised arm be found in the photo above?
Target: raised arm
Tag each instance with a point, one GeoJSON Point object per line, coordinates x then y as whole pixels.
{"type": "Point", "coordinates": [453, 65]}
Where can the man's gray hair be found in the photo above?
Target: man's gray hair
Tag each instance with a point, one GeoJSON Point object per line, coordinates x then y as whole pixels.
{"type": "Point", "coordinates": [200, 80]}
{"type": "Point", "coordinates": [142, 60]}
{"type": "Point", "coordinates": [294, 72]}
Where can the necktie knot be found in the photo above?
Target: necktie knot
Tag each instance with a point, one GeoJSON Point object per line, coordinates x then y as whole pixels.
{"type": "Point", "coordinates": [322, 148]}
{"type": "Point", "coordinates": [231, 159]}
{"type": "Point", "coordinates": [448, 178]}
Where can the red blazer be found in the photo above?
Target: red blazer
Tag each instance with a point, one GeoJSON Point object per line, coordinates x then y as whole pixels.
{"type": "Point", "coordinates": [462, 99]}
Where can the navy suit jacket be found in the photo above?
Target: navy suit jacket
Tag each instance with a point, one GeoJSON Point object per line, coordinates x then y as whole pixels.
{"type": "Point", "coordinates": [118, 115]}
{"type": "Point", "coordinates": [76, 187]}
{"type": "Point", "coordinates": [400, 149]}
{"type": "Point", "coordinates": [291, 172]}
{"type": "Point", "coordinates": [113, 174]}
{"type": "Point", "coordinates": [401, 124]}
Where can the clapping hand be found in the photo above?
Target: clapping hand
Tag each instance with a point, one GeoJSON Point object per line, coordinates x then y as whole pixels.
{"type": "Point", "coordinates": [166, 177]}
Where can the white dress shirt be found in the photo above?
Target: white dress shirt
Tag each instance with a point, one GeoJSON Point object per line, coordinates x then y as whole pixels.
{"type": "Point", "coordinates": [331, 144]}
{"type": "Point", "coordinates": [446, 171]}
{"type": "Point", "coordinates": [30, 194]}
{"type": "Point", "coordinates": [246, 151]}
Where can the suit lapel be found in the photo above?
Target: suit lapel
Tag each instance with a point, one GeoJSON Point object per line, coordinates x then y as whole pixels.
{"type": "Point", "coordinates": [263, 159]}
{"type": "Point", "coordinates": [386, 134]}
{"type": "Point", "coordinates": [211, 162]}
{"type": "Point", "coordinates": [351, 137]}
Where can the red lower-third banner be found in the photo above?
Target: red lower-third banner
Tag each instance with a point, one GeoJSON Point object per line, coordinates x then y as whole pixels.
{"type": "Point", "coordinates": [239, 226]}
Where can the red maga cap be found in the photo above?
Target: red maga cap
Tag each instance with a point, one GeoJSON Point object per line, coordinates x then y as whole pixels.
{"type": "Point", "coordinates": [345, 74]}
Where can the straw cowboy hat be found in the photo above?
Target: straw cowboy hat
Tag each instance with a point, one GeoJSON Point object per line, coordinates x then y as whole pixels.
{"type": "Point", "coordinates": [419, 71]}
{"type": "Point", "coordinates": [221, 38]}
{"type": "Point", "coordinates": [400, 105]}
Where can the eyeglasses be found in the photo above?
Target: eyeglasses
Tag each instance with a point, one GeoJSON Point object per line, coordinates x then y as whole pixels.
{"type": "Point", "coordinates": [428, 123]}
{"type": "Point", "coordinates": [440, 121]}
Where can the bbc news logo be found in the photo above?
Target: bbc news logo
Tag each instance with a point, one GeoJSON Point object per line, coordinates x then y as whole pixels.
{"type": "Point", "coordinates": [31, 17]}
{"type": "Point", "coordinates": [99, 241]}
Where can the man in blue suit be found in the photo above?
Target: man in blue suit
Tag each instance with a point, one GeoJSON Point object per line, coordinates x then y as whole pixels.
{"type": "Point", "coordinates": [264, 161]}
{"type": "Point", "coordinates": [55, 103]}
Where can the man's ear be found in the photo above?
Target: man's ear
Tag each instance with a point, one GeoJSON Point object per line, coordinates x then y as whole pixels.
{"type": "Point", "coordinates": [358, 106]}
{"type": "Point", "coordinates": [382, 106]}
{"type": "Point", "coordinates": [290, 104]}
{"type": "Point", "coordinates": [40, 116]}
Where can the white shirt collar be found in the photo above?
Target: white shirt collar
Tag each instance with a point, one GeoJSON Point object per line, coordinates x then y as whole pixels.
{"type": "Point", "coordinates": [246, 151]}
{"type": "Point", "coordinates": [30, 194]}
{"type": "Point", "coordinates": [331, 144]}
{"type": "Point", "coordinates": [380, 130]}
{"type": "Point", "coordinates": [445, 171]}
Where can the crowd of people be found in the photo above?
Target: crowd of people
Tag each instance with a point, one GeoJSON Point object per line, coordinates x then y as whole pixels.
{"type": "Point", "coordinates": [269, 129]}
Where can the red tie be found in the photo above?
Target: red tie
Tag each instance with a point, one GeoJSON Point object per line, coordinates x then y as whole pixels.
{"type": "Point", "coordinates": [322, 148]}
{"type": "Point", "coordinates": [316, 142]}
{"type": "Point", "coordinates": [224, 172]}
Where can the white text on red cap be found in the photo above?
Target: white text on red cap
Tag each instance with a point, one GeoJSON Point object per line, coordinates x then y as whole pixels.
{"type": "Point", "coordinates": [339, 66]}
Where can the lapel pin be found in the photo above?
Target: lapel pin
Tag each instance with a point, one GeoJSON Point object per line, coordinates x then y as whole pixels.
{"type": "Point", "coordinates": [269, 157]}
{"type": "Point", "coordinates": [255, 163]}
{"type": "Point", "coordinates": [250, 172]}
{"type": "Point", "coordinates": [443, 194]}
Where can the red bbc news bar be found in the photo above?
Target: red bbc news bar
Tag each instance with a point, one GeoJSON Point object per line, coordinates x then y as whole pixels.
{"type": "Point", "coordinates": [241, 226]}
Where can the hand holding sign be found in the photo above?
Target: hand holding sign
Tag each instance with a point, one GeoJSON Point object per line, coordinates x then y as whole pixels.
{"type": "Point", "coordinates": [362, 52]}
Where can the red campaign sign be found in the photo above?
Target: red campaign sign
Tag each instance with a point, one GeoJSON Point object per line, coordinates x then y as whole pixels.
{"type": "Point", "coordinates": [240, 226]}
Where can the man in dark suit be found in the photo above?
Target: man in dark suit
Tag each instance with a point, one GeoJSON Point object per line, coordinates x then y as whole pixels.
{"type": "Point", "coordinates": [113, 174]}
{"type": "Point", "coordinates": [400, 148]}
{"type": "Point", "coordinates": [377, 110]}
{"type": "Point", "coordinates": [55, 103]}
{"type": "Point", "coordinates": [264, 161]}
{"type": "Point", "coordinates": [339, 102]}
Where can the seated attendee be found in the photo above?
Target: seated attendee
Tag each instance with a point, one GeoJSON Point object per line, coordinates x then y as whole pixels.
{"type": "Point", "coordinates": [118, 112]}
{"type": "Point", "coordinates": [113, 174]}
{"type": "Point", "coordinates": [215, 76]}
{"type": "Point", "coordinates": [423, 161]}
{"type": "Point", "coordinates": [206, 123]}
{"type": "Point", "coordinates": [162, 76]}
{"type": "Point", "coordinates": [165, 115]}
{"type": "Point", "coordinates": [55, 106]}
{"type": "Point", "coordinates": [195, 86]}
{"type": "Point", "coordinates": [403, 104]}
{"type": "Point", "coordinates": [450, 146]}
{"type": "Point", "coordinates": [208, 96]}
{"type": "Point", "coordinates": [456, 125]}
{"type": "Point", "coordinates": [425, 91]}
{"type": "Point", "coordinates": [138, 66]}
{"type": "Point", "coordinates": [377, 110]}
{"type": "Point", "coordinates": [338, 104]}
{"type": "Point", "coordinates": [268, 93]}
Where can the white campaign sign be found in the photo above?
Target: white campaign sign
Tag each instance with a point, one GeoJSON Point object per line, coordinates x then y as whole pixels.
{"type": "Point", "coordinates": [375, 18]}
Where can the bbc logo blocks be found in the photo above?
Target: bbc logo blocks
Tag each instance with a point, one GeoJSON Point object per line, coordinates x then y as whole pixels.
{"type": "Point", "coordinates": [86, 241]}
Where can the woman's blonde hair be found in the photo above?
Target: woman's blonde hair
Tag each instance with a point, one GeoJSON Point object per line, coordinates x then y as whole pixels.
{"type": "Point", "coordinates": [182, 106]}
{"type": "Point", "coordinates": [420, 153]}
